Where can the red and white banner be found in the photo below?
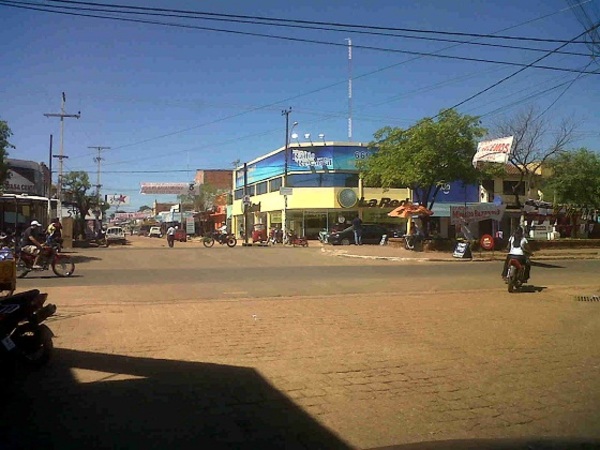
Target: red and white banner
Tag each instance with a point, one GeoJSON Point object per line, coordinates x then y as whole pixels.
{"type": "Point", "coordinates": [475, 213]}
{"type": "Point", "coordinates": [133, 215]}
{"type": "Point", "coordinates": [170, 188]}
{"type": "Point", "coordinates": [496, 150]}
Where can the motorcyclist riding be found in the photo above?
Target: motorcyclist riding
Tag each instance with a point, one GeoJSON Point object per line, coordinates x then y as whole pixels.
{"type": "Point", "coordinates": [518, 248]}
{"type": "Point", "coordinates": [53, 232]}
{"type": "Point", "coordinates": [30, 244]}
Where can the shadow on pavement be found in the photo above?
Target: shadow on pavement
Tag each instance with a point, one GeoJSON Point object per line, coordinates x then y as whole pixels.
{"type": "Point", "coordinates": [79, 259]}
{"type": "Point", "coordinates": [95, 400]}
{"type": "Point", "coordinates": [546, 266]}
{"type": "Point", "coordinates": [530, 288]}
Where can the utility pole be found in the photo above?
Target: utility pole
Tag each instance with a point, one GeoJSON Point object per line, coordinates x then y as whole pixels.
{"type": "Point", "coordinates": [61, 156]}
{"type": "Point", "coordinates": [98, 159]}
{"type": "Point", "coordinates": [286, 113]}
{"type": "Point", "coordinates": [49, 188]}
{"type": "Point", "coordinates": [349, 89]}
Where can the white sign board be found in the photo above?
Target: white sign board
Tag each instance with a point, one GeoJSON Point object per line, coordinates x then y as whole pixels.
{"type": "Point", "coordinates": [18, 184]}
{"type": "Point", "coordinates": [117, 199]}
{"type": "Point", "coordinates": [246, 200]}
{"type": "Point", "coordinates": [495, 151]}
{"type": "Point", "coordinates": [170, 188]}
{"type": "Point", "coordinates": [285, 191]}
{"type": "Point", "coordinates": [475, 213]}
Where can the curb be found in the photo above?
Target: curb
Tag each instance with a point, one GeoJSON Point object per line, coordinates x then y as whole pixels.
{"type": "Point", "coordinates": [439, 259]}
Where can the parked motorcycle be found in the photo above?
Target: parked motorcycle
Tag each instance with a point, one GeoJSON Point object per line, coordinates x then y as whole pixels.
{"type": "Point", "coordinates": [61, 264]}
{"type": "Point", "coordinates": [413, 242]}
{"type": "Point", "coordinates": [294, 240]}
{"type": "Point", "coordinates": [275, 236]}
{"type": "Point", "coordinates": [515, 277]}
{"type": "Point", "coordinates": [221, 238]}
{"type": "Point", "coordinates": [23, 336]}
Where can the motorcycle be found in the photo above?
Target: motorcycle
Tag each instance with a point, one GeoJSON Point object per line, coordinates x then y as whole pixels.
{"type": "Point", "coordinates": [413, 242]}
{"type": "Point", "coordinates": [515, 277]}
{"type": "Point", "coordinates": [23, 337]}
{"type": "Point", "coordinates": [275, 236]}
{"type": "Point", "coordinates": [171, 240]}
{"type": "Point", "coordinates": [61, 264]}
{"type": "Point", "coordinates": [294, 240]}
{"type": "Point", "coordinates": [221, 238]}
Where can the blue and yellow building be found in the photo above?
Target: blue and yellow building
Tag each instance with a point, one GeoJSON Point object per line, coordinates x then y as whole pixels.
{"type": "Point", "coordinates": [315, 187]}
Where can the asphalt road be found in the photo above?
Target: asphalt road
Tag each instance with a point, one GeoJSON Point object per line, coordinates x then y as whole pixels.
{"type": "Point", "coordinates": [250, 272]}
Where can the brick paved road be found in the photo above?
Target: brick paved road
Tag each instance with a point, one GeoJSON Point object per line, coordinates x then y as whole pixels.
{"type": "Point", "coordinates": [310, 371]}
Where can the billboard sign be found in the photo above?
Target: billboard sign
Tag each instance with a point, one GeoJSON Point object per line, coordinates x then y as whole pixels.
{"type": "Point", "coordinates": [496, 150]}
{"type": "Point", "coordinates": [170, 188]}
{"type": "Point", "coordinates": [117, 199]}
{"type": "Point", "coordinates": [303, 159]}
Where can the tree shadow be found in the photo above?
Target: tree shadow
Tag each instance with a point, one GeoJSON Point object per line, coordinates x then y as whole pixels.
{"type": "Point", "coordinates": [80, 259]}
{"type": "Point", "coordinates": [97, 400]}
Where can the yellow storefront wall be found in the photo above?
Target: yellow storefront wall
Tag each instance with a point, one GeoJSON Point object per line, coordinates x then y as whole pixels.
{"type": "Point", "coordinates": [374, 207]}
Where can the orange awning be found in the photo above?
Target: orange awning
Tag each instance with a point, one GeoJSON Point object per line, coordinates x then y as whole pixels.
{"type": "Point", "coordinates": [410, 209]}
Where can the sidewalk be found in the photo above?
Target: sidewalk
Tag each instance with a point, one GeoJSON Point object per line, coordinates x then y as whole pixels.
{"type": "Point", "coordinates": [386, 252]}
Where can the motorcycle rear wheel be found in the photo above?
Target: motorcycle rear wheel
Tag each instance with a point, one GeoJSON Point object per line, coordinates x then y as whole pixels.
{"type": "Point", "coordinates": [208, 242]}
{"type": "Point", "coordinates": [63, 267]}
{"type": "Point", "coordinates": [35, 343]}
{"type": "Point", "coordinates": [512, 279]}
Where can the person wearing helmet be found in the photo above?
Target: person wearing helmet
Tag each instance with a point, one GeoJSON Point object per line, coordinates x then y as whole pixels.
{"type": "Point", "coordinates": [518, 248]}
{"type": "Point", "coordinates": [30, 243]}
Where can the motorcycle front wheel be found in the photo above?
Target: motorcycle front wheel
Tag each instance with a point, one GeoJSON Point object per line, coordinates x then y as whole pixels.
{"type": "Point", "coordinates": [35, 343]}
{"type": "Point", "coordinates": [63, 267]}
{"type": "Point", "coordinates": [231, 242]}
{"type": "Point", "coordinates": [22, 269]}
{"type": "Point", "coordinates": [208, 242]}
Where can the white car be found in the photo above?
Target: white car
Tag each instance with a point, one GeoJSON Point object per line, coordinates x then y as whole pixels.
{"type": "Point", "coordinates": [115, 235]}
{"type": "Point", "coordinates": [155, 232]}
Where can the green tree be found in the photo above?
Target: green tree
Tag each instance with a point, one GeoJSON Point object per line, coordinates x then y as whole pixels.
{"type": "Point", "coordinates": [145, 208]}
{"type": "Point", "coordinates": [76, 187]}
{"type": "Point", "coordinates": [575, 178]}
{"type": "Point", "coordinates": [5, 134]}
{"type": "Point", "coordinates": [425, 156]}
{"type": "Point", "coordinates": [204, 200]}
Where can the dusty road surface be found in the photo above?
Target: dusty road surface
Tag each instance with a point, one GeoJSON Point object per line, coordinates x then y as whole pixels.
{"type": "Point", "coordinates": [293, 348]}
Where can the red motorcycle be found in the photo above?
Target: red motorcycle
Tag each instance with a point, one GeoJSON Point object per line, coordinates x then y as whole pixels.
{"type": "Point", "coordinates": [50, 257]}
{"type": "Point", "coordinates": [294, 240]}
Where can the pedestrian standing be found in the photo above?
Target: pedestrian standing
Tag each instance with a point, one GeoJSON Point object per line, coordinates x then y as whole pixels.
{"type": "Point", "coordinates": [357, 228]}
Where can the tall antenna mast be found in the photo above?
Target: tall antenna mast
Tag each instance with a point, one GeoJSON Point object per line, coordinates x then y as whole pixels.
{"type": "Point", "coordinates": [349, 89]}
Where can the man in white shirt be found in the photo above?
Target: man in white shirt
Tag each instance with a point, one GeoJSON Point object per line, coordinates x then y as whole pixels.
{"type": "Point", "coordinates": [518, 248]}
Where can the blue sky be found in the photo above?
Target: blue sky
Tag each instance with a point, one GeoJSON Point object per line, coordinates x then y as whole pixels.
{"type": "Point", "coordinates": [172, 100]}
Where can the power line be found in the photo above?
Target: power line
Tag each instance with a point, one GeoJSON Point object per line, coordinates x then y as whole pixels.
{"type": "Point", "coordinates": [293, 39]}
{"type": "Point", "coordinates": [307, 27]}
{"type": "Point", "coordinates": [313, 22]}
{"type": "Point", "coordinates": [519, 71]}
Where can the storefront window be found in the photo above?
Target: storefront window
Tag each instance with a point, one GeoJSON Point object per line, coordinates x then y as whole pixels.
{"type": "Point", "coordinates": [275, 184]}
{"type": "Point", "coordinates": [261, 188]}
{"type": "Point", "coordinates": [324, 180]}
